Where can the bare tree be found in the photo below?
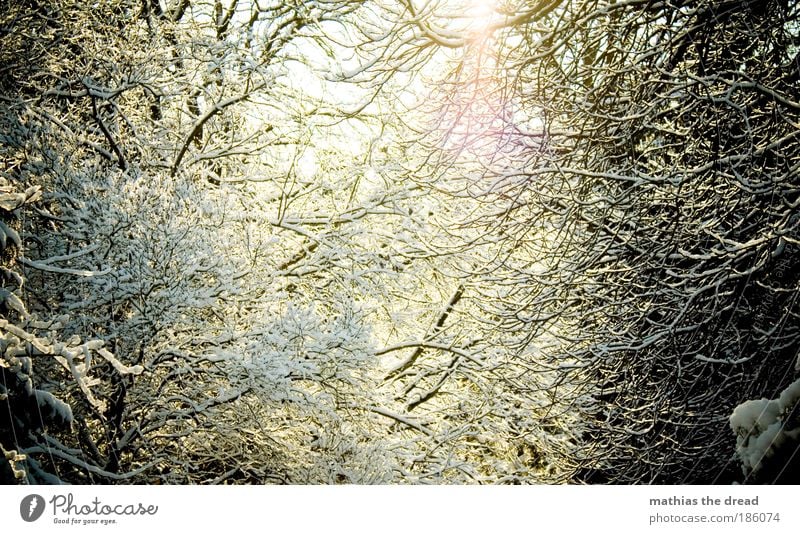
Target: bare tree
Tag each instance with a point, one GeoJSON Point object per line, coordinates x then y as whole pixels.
{"type": "Point", "coordinates": [397, 242]}
{"type": "Point", "coordinates": [638, 167]}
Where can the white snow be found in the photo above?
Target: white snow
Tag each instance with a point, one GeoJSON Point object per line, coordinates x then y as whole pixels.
{"type": "Point", "coordinates": [119, 366]}
{"type": "Point", "coordinates": [754, 414]}
{"type": "Point", "coordinates": [760, 427]}
{"type": "Point", "coordinates": [61, 409]}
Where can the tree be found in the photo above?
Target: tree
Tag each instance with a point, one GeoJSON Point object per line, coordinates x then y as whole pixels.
{"type": "Point", "coordinates": [144, 239]}
{"type": "Point", "coordinates": [646, 215]}
{"type": "Point", "coordinates": [397, 242]}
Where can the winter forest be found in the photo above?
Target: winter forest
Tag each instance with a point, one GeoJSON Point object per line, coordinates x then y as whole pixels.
{"type": "Point", "coordinates": [399, 241]}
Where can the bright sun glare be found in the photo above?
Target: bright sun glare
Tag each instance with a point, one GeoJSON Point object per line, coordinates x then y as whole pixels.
{"type": "Point", "coordinates": [482, 13]}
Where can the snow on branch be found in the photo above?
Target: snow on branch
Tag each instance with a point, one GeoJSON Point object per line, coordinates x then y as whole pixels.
{"type": "Point", "coordinates": [60, 270]}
